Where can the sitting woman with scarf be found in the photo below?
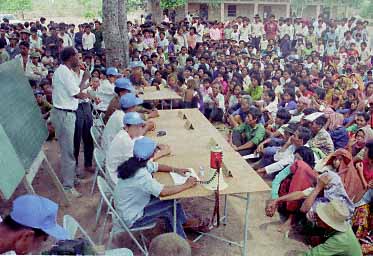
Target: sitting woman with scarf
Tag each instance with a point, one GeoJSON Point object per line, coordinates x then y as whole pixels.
{"type": "Point", "coordinates": [296, 177]}
{"type": "Point", "coordinates": [340, 181]}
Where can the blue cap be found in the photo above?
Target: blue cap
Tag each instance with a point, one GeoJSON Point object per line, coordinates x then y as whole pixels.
{"type": "Point", "coordinates": [129, 100]}
{"type": "Point", "coordinates": [343, 111]}
{"type": "Point", "coordinates": [112, 72]}
{"type": "Point", "coordinates": [144, 148]}
{"type": "Point", "coordinates": [124, 83]}
{"type": "Point", "coordinates": [38, 212]}
{"type": "Point", "coordinates": [133, 118]}
{"type": "Point", "coordinates": [135, 64]}
{"type": "Point", "coordinates": [38, 92]}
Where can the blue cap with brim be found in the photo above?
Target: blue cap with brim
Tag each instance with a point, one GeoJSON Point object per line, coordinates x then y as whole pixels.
{"type": "Point", "coordinates": [129, 100]}
{"type": "Point", "coordinates": [112, 72]}
{"type": "Point", "coordinates": [124, 83]}
{"type": "Point", "coordinates": [144, 148]}
{"type": "Point", "coordinates": [133, 118]}
{"type": "Point", "coordinates": [38, 212]}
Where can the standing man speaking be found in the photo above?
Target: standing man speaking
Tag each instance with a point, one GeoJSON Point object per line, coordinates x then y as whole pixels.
{"type": "Point", "coordinates": [67, 90]}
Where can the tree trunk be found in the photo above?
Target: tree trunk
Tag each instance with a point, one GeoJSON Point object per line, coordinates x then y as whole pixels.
{"type": "Point", "coordinates": [114, 14]}
{"type": "Point", "coordinates": [154, 7]}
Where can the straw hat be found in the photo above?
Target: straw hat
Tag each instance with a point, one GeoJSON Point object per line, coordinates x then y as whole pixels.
{"type": "Point", "coordinates": [335, 214]}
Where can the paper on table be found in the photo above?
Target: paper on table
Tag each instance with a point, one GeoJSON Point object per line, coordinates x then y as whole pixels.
{"type": "Point", "coordinates": [179, 180]}
{"type": "Point", "coordinates": [251, 156]}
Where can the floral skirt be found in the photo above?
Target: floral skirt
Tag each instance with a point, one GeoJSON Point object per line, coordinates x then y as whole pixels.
{"type": "Point", "coordinates": [362, 223]}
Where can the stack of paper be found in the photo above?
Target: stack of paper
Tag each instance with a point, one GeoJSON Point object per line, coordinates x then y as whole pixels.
{"type": "Point", "coordinates": [179, 179]}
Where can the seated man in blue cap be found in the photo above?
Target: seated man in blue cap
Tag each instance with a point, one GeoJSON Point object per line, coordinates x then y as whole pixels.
{"type": "Point", "coordinates": [123, 86]}
{"type": "Point", "coordinates": [137, 193]}
{"type": "Point", "coordinates": [105, 91]}
{"type": "Point", "coordinates": [31, 221]}
{"type": "Point", "coordinates": [121, 148]}
{"type": "Point", "coordinates": [128, 103]}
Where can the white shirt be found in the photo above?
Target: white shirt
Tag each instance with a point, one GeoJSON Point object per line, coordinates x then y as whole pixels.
{"type": "Point", "coordinates": [289, 30]}
{"type": "Point", "coordinates": [88, 40]}
{"type": "Point", "coordinates": [282, 159]}
{"type": "Point", "coordinates": [164, 44]}
{"type": "Point", "coordinates": [31, 70]}
{"type": "Point", "coordinates": [35, 44]}
{"type": "Point", "coordinates": [257, 29]}
{"type": "Point", "coordinates": [119, 151]}
{"type": "Point", "coordinates": [245, 32]}
{"type": "Point", "coordinates": [66, 40]}
{"type": "Point", "coordinates": [113, 126]}
{"type": "Point", "coordinates": [105, 92]}
{"type": "Point", "coordinates": [65, 86]}
{"type": "Point", "coordinates": [236, 36]}
{"type": "Point", "coordinates": [219, 98]}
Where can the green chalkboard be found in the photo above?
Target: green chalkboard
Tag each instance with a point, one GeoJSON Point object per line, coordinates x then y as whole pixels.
{"type": "Point", "coordinates": [20, 116]}
{"type": "Point", "coordinates": [11, 169]}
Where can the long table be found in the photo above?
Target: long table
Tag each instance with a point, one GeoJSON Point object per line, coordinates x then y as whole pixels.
{"type": "Point", "coordinates": [152, 94]}
{"type": "Point", "coordinates": [191, 148]}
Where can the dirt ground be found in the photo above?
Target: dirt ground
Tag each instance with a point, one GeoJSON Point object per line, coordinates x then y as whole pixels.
{"type": "Point", "coordinates": [263, 237]}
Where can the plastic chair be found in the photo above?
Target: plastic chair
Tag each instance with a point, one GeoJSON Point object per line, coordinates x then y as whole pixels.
{"type": "Point", "coordinates": [72, 227]}
{"type": "Point", "coordinates": [105, 190]}
{"type": "Point", "coordinates": [96, 136]}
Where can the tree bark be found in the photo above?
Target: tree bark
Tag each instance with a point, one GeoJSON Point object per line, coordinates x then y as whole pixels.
{"type": "Point", "coordinates": [154, 7]}
{"type": "Point", "coordinates": [114, 14]}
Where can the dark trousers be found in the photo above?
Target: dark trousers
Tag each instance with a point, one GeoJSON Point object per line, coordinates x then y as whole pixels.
{"type": "Point", "coordinates": [156, 209]}
{"type": "Point", "coordinates": [238, 140]}
{"type": "Point", "coordinates": [214, 114]}
{"type": "Point", "coordinates": [83, 124]}
{"type": "Point", "coordinates": [256, 43]}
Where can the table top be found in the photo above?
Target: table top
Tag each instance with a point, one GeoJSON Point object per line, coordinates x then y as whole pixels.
{"type": "Point", "coordinates": [151, 94]}
{"type": "Point", "coordinates": [191, 149]}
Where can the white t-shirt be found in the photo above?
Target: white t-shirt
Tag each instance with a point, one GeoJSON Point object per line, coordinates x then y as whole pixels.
{"type": "Point", "coordinates": [119, 151]}
{"type": "Point", "coordinates": [113, 126]}
{"type": "Point", "coordinates": [105, 92]}
{"type": "Point", "coordinates": [219, 98]}
{"type": "Point", "coordinates": [65, 86]}
{"type": "Point", "coordinates": [66, 40]}
{"type": "Point", "coordinates": [88, 40]}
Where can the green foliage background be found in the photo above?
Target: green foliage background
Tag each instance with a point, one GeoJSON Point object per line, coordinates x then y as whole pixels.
{"type": "Point", "coordinates": [93, 8]}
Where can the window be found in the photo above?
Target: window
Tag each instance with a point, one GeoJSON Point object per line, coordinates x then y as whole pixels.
{"type": "Point", "coordinates": [232, 10]}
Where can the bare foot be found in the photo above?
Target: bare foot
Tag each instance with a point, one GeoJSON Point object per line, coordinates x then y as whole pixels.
{"type": "Point", "coordinates": [285, 227]}
{"type": "Point", "coordinates": [194, 245]}
{"type": "Point", "coordinates": [192, 222]}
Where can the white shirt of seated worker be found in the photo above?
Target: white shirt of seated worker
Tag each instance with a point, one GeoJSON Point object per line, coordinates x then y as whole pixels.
{"type": "Point", "coordinates": [113, 126]}
{"type": "Point", "coordinates": [105, 92]}
{"type": "Point", "coordinates": [65, 86]}
{"type": "Point", "coordinates": [119, 151]}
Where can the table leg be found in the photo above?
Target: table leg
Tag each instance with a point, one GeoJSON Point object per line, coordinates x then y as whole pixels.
{"type": "Point", "coordinates": [171, 105]}
{"type": "Point", "coordinates": [162, 104]}
{"type": "Point", "coordinates": [246, 226]}
{"type": "Point", "coordinates": [225, 210]}
{"type": "Point", "coordinates": [175, 205]}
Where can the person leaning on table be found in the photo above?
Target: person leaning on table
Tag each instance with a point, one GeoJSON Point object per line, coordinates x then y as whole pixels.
{"type": "Point", "coordinates": [137, 193]}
